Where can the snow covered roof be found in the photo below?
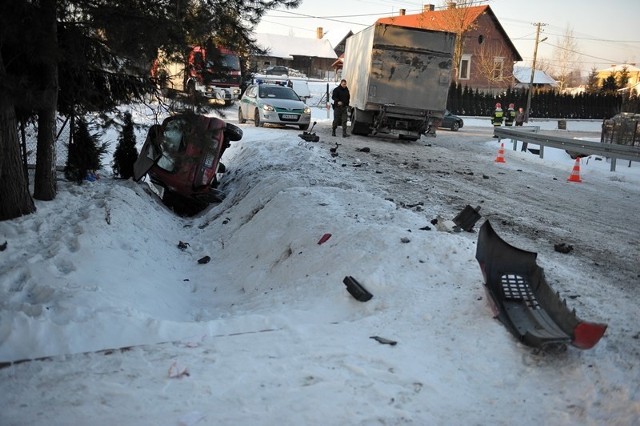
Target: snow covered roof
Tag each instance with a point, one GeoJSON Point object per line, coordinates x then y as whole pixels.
{"type": "Point", "coordinates": [281, 46]}
{"type": "Point", "coordinates": [523, 75]}
{"type": "Point", "coordinates": [619, 68]}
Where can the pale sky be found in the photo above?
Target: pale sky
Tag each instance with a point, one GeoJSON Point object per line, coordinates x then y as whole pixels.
{"type": "Point", "coordinates": [606, 33]}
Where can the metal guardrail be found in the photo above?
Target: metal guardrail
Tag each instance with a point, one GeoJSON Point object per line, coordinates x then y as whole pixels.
{"type": "Point", "coordinates": [612, 151]}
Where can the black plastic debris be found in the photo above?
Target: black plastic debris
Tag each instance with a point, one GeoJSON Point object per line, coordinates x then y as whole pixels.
{"type": "Point", "coordinates": [364, 149]}
{"type": "Point", "coordinates": [523, 300]}
{"type": "Point", "coordinates": [467, 218]}
{"type": "Point", "coordinates": [334, 150]}
{"type": "Point", "coordinates": [384, 341]}
{"type": "Point", "coordinates": [563, 248]}
{"type": "Point", "coordinates": [3, 246]}
{"type": "Point", "coordinates": [182, 245]}
{"type": "Point", "coordinates": [310, 136]}
{"type": "Point", "coordinates": [204, 260]}
{"type": "Point", "coordinates": [356, 289]}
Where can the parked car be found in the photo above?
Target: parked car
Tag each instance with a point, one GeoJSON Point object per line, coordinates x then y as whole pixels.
{"type": "Point", "coordinates": [277, 70]}
{"type": "Point", "coordinates": [450, 121]}
{"type": "Point", "coordinates": [182, 158]}
{"type": "Point", "coordinates": [274, 104]}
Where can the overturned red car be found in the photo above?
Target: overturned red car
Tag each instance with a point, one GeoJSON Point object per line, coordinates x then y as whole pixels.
{"type": "Point", "coordinates": [182, 158]}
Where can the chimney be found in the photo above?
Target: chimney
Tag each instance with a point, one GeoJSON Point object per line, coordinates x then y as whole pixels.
{"type": "Point", "coordinates": [428, 8]}
{"type": "Point", "coordinates": [402, 12]}
{"type": "Point", "coordinates": [319, 33]}
{"type": "Point", "coordinates": [451, 5]}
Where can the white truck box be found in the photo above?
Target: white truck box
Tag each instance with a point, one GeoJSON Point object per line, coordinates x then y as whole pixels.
{"type": "Point", "coordinates": [398, 78]}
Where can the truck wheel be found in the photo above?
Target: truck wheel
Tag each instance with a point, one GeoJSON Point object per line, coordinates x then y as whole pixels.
{"type": "Point", "coordinates": [358, 127]}
{"type": "Point", "coordinates": [241, 119]}
{"type": "Point", "coordinates": [233, 132]}
{"type": "Point", "coordinates": [256, 118]}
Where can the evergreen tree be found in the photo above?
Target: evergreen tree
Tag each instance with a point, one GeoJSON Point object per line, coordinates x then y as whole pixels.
{"type": "Point", "coordinates": [84, 153]}
{"type": "Point", "coordinates": [77, 56]}
{"type": "Point", "coordinates": [610, 84]}
{"type": "Point", "coordinates": [592, 85]}
{"type": "Point", "coordinates": [126, 152]}
{"type": "Point", "coordinates": [623, 78]}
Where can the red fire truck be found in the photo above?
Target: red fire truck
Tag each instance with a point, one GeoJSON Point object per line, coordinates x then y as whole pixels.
{"type": "Point", "coordinates": [213, 72]}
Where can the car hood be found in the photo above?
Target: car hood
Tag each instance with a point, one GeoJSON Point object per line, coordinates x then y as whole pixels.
{"type": "Point", "coordinates": [284, 103]}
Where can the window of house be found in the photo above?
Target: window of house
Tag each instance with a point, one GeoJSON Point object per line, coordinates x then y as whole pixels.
{"type": "Point", "coordinates": [498, 68]}
{"type": "Point", "coordinates": [465, 66]}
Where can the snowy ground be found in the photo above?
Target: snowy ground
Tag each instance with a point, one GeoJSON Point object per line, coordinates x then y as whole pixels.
{"type": "Point", "coordinates": [135, 331]}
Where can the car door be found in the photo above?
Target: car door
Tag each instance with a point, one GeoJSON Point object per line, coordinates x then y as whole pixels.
{"type": "Point", "coordinates": [248, 102]}
{"type": "Point", "coordinates": [150, 153]}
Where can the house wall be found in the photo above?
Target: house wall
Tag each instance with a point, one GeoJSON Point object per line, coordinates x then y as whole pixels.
{"type": "Point", "coordinates": [634, 77]}
{"type": "Point", "coordinates": [493, 44]}
{"type": "Point", "coordinates": [312, 67]}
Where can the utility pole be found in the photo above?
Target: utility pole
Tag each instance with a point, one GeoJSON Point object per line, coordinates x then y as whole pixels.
{"type": "Point", "coordinates": [527, 111]}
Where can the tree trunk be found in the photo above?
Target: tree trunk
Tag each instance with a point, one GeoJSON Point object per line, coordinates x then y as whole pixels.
{"type": "Point", "coordinates": [45, 178]}
{"type": "Point", "coordinates": [15, 199]}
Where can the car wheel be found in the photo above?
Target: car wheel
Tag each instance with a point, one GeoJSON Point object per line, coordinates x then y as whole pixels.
{"type": "Point", "coordinates": [303, 126]}
{"type": "Point", "coordinates": [233, 132]}
{"type": "Point", "coordinates": [241, 119]}
{"type": "Point", "coordinates": [256, 118]}
{"type": "Point", "coordinates": [455, 126]}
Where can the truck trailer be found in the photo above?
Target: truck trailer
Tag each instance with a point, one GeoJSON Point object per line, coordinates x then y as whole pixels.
{"type": "Point", "coordinates": [398, 78]}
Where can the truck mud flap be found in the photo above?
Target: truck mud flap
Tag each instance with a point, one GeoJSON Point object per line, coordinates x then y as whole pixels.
{"type": "Point", "coordinates": [523, 300]}
{"type": "Point", "coordinates": [360, 122]}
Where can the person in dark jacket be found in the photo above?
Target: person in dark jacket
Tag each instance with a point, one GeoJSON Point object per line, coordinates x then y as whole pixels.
{"type": "Point", "coordinates": [519, 117]}
{"type": "Point", "coordinates": [341, 98]}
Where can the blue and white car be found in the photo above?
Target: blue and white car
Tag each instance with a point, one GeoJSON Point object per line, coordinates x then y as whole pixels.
{"type": "Point", "coordinates": [273, 104]}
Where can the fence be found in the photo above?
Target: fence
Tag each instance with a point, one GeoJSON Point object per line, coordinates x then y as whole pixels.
{"type": "Point", "coordinates": [612, 151]}
{"type": "Point", "coordinates": [63, 137]}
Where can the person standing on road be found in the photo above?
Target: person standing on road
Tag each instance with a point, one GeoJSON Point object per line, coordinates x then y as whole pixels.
{"type": "Point", "coordinates": [510, 116]}
{"type": "Point", "coordinates": [341, 98]}
{"type": "Point", "coordinates": [497, 117]}
{"type": "Point", "coordinates": [520, 117]}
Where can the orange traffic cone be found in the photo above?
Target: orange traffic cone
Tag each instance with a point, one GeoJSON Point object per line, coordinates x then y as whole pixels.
{"type": "Point", "coordinates": [575, 173]}
{"type": "Point", "coordinates": [500, 157]}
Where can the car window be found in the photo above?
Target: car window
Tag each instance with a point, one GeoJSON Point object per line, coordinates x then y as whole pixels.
{"type": "Point", "coordinates": [172, 144]}
{"type": "Point", "coordinates": [278, 92]}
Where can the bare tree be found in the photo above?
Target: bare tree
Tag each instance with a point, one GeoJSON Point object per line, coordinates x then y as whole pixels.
{"type": "Point", "coordinates": [458, 22]}
{"type": "Point", "coordinates": [565, 55]}
{"type": "Point", "coordinates": [490, 62]}
{"type": "Point", "coordinates": [544, 65]}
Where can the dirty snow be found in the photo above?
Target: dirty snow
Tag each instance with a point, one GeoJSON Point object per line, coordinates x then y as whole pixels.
{"type": "Point", "coordinates": [133, 330]}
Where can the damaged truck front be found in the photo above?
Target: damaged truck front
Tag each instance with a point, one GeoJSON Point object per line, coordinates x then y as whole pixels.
{"type": "Point", "coordinates": [398, 78]}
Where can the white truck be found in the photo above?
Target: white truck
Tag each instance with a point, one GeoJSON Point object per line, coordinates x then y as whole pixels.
{"type": "Point", "coordinates": [398, 78]}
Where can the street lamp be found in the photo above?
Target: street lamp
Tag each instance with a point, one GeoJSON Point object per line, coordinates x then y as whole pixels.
{"type": "Point", "coordinates": [527, 111]}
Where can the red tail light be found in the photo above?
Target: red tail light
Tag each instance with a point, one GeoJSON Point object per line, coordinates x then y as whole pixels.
{"type": "Point", "coordinates": [587, 334]}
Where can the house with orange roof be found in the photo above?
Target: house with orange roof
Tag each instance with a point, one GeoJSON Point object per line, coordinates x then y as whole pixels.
{"type": "Point", "coordinates": [484, 54]}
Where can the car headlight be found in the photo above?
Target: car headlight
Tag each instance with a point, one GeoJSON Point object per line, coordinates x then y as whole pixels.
{"type": "Point", "coordinates": [307, 110]}
{"type": "Point", "coordinates": [268, 107]}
